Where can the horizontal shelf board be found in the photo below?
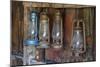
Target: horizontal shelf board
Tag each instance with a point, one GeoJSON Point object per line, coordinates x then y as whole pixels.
{"type": "Point", "coordinates": [54, 5]}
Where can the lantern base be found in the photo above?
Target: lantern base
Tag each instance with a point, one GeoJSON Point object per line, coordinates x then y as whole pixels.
{"type": "Point", "coordinates": [57, 46]}
{"type": "Point", "coordinates": [43, 45]}
{"type": "Point", "coordinates": [31, 42]}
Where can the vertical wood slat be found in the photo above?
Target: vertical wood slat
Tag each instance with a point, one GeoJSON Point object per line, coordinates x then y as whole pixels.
{"type": "Point", "coordinates": [69, 18]}
{"type": "Point", "coordinates": [94, 34]}
{"type": "Point", "coordinates": [17, 26]}
{"type": "Point", "coordinates": [89, 16]}
{"type": "Point", "coordinates": [24, 34]}
{"type": "Point", "coordinates": [14, 29]}
{"type": "Point", "coordinates": [25, 22]}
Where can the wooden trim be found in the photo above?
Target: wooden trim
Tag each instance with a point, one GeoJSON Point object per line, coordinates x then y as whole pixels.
{"type": "Point", "coordinates": [54, 5]}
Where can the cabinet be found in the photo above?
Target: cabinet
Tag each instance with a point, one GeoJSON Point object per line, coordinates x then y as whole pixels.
{"type": "Point", "coordinates": [69, 12]}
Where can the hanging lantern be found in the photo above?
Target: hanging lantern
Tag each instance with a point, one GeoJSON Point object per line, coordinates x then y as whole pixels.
{"type": "Point", "coordinates": [57, 31]}
{"type": "Point", "coordinates": [78, 37]}
{"type": "Point", "coordinates": [44, 37]}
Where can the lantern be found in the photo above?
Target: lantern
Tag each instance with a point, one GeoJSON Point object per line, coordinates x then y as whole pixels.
{"type": "Point", "coordinates": [78, 38]}
{"type": "Point", "coordinates": [57, 31]}
{"type": "Point", "coordinates": [31, 40]}
{"type": "Point", "coordinates": [44, 36]}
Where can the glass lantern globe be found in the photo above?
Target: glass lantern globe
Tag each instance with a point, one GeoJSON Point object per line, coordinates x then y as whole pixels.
{"type": "Point", "coordinates": [78, 37]}
{"type": "Point", "coordinates": [44, 29]}
{"type": "Point", "coordinates": [57, 30]}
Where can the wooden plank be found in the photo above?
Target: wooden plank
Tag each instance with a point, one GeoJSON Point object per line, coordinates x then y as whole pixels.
{"type": "Point", "coordinates": [54, 5]}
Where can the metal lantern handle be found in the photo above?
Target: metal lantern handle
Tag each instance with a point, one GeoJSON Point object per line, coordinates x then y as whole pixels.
{"type": "Point", "coordinates": [83, 24]}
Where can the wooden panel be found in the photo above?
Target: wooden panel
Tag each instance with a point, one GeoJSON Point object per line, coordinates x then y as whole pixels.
{"type": "Point", "coordinates": [68, 23]}
{"type": "Point", "coordinates": [54, 5]}
{"type": "Point", "coordinates": [54, 54]}
{"type": "Point", "coordinates": [17, 32]}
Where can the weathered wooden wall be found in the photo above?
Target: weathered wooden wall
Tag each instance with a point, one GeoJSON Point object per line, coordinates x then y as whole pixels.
{"type": "Point", "coordinates": [16, 30]}
{"type": "Point", "coordinates": [69, 13]}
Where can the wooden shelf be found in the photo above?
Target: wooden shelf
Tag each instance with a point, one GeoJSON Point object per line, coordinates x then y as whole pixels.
{"type": "Point", "coordinates": [54, 5]}
{"type": "Point", "coordinates": [20, 11]}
